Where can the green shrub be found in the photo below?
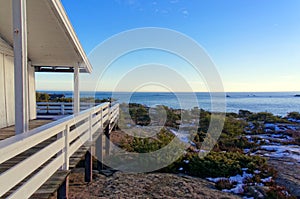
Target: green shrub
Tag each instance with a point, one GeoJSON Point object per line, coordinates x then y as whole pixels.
{"type": "Point", "coordinates": [42, 97]}
{"type": "Point", "coordinates": [146, 145]}
{"type": "Point", "coordinates": [294, 115]}
{"type": "Point", "coordinates": [267, 118]}
{"type": "Point", "coordinates": [234, 144]}
{"type": "Point", "coordinates": [220, 164]}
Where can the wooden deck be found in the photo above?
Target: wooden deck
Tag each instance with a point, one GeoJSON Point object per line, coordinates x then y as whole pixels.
{"type": "Point", "coordinates": [50, 187]}
{"type": "Point", "coordinates": [10, 131]}
{"type": "Point", "coordinates": [36, 164]}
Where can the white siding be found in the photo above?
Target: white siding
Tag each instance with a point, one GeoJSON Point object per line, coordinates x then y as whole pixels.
{"type": "Point", "coordinates": [3, 121]}
{"type": "Point", "coordinates": [7, 92]}
{"type": "Point", "coordinates": [9, 89]}
{"type": "Point", "coordinates": [31, 92]}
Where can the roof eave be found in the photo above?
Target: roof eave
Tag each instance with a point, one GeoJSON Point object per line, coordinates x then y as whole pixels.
{"type": "Point", "coordinates": [60, 11]}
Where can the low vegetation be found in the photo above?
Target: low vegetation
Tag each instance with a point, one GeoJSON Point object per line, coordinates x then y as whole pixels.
{"type": "Point", "coordinates": [227, 157]}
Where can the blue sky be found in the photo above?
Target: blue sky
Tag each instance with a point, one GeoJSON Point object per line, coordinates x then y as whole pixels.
{"type": "Point", "coordinates": [255, 44]}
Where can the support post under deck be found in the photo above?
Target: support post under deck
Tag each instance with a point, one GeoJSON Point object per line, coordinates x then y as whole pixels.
{"type": "Point", "coordinates": [107, 139]}
{"type": "Point", "coordinates": [88, 166]}
{"type": "Point", "coordinates": [99, 152]}
{"type": "Point", "coordinates": [62, 192]}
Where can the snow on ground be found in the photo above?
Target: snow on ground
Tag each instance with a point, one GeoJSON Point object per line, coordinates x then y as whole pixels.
{"type": "Point", "coordinates": [293, 120]}
{"type": "Point", "coordinates": [182, 136]}
{"type": "Point", "coordinates": [273, 137]}
{"type": "Point", "coordinates": [238, 180]}
{"type": "Point", "coordinates": [279, 127]}
{"type": "Point", "coordinates": [269, 179]}
{"type": "Point", "coordinates": [282, 151]}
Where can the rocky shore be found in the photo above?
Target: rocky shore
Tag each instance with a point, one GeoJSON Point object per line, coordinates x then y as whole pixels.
{"type": "Point", "coordinates": [257, 156]}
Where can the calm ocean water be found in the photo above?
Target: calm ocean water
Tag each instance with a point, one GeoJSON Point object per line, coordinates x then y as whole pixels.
{"type": "Point", "coordinates": [278, 103]}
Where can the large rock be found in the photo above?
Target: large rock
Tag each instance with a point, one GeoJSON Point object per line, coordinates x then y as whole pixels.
{"type": "Point", "coordinates": [288, 174]}
{"type": "Point", "coordinates": [152, 185]}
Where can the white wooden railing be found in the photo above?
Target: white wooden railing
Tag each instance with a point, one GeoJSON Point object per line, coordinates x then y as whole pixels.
{"type": "Point", "coordinates": [60, 108]}
{"type": "Point", "coordinates": [71, 133]}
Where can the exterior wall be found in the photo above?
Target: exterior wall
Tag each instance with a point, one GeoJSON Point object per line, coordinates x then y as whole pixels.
{"type": "Point", "coordinates": [31, 91]}
{"type": "Point", "coordinates": [7, 92]}
{"type": "Point", "coordinates": [9, 89]}
{"type": "Point", "coordinates": [3, 121]}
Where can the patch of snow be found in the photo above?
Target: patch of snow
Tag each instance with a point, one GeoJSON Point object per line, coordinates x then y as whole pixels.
{"type": "Point", "coordinates": [246, 150]}
{"type": "Point", "coordinates": [251, 125]}
{"type": "Point", "coordinates": [187, 125]}
{"type": "Point", "coordinates": [192, 143]}
{"type": "Point", "coordinates": [215, 180]}
{"type": "Point", "coordinates": [180, 169]}
{"type": "Point", "coordinates": [182, 136]}
{"type": "Point", "coordinates": [273, 137]}
{"type": "Point", "coordinates": [268, 125]}
{"type": "Point", "coordinates": [283, 151]}
{"type": "Point", "coordinates": [249, 138]}
{"type": "Point", "coordinates": [237, 190]}
{"type": "Point", "coordinates": [238, 179]}
{"type": "Point", "coordinates": [245, 197]}
{"type": "Point", "coordinates": [248, 131]}
{"type": "Point", "coordinates": [257, 171]}
{"type": "Point", "coordinates": [186, 161]}
{"type": "Point", "coordinates": [293, 120]}
{"type": "Point", "coordinates": [274, 127]}
{"type": "Point", "coordinates": [291, 127]}
{"type": "Point", "coordinates": [269, 179]}
{"type": "Point", "coordinates": [268, 131]}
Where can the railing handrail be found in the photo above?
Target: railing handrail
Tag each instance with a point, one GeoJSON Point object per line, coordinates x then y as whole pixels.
{"type": "Point", "coordinates": [67, 103]}
{"type": "Point", "coordinates": [61, 108]}
{"type": "Point", "coordinates": [89, 121]}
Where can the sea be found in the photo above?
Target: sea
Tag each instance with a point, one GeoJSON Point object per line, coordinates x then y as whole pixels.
{"type": "Point", "coordinates": [277, 103]}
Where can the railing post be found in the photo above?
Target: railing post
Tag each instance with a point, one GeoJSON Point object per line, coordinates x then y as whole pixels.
{"type": "Point", "coordinates": [62, 108]}
{"type": "Point", "coordinates": [107, 139]}
{"type": "Point", "coordinates": [101, 117]}
{"type": "Point", "coordinates": [90, 127]}
{"type": "Point", "coordinates": [109, 112]}
{"type": "Point", "coordinates": [66, 148]}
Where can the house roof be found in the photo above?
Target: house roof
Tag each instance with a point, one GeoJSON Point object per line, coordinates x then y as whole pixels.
{"type": "Point", "coordinates": [52, 41]}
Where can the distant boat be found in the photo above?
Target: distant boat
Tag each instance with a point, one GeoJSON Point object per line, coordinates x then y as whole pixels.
{"type": "Point", "coordinates": [228, 96]}
{"type": "Point", "coordinates": [298, 95]}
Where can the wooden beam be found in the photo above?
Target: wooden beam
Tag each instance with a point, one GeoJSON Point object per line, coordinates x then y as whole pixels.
{"type": "Point", "coordinates": [63, 190]}
{"type": "Point", "coordinates": [76, 95]}
{"type": "Point", "coordinates": [20, 65]}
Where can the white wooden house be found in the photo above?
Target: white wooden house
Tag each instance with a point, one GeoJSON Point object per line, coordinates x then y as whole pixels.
{"type": "Point", "coordinates": [35, 36]}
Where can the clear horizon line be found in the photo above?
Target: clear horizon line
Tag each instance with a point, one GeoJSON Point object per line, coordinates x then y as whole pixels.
{"type": "Point", "coordinates": [176, 91]}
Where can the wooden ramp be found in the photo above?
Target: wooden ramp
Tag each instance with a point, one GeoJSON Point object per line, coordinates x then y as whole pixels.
{"type": "Point", "coordinates": [49, 174]}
